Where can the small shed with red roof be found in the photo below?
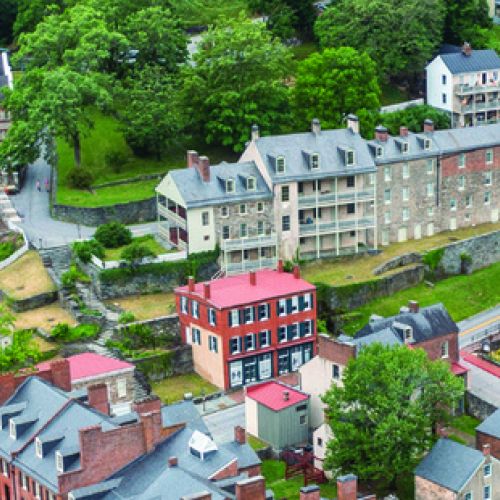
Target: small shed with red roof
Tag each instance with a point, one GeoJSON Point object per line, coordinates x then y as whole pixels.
{"type": "Point", "coordinates": [277, 413]}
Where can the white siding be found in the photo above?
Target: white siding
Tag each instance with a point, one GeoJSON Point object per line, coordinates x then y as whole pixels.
{"type": "Point", "coordinates": [435, 88]}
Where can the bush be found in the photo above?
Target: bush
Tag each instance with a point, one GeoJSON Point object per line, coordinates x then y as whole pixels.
{"type": "Point", "coordinates": [115, 160]}
{"type": "Point", "coordinates": [65, 333]}
{"type": "Point", "coordinates": [136, 252]}
{"type": "Point", "coordinates": [7, 248]}
{"type": "Point", "coordinates": [79, 178]}
{"type": "Point", "coordinates": [126, 317]}
{"type": "Point", "coordinates": [113, 235]}
{"type": "Point", "coordinates": [74, 274]}
{"type": "Point", "coordinates": [85, 249]}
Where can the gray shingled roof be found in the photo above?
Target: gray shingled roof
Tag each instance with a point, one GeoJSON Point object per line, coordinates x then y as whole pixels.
{"type": "Point", "coordinates": [463, 139]}
{"type": "Point", "coordinates": [329, 144]}
{"type": "Point", "coordinates": [450, 464]}
{"type": "Point", "coordinates": [430, 322]}
{"type": "Point", "coordinates": [479, 60]}
{"type": "Point", "coordinates": [491, 425]}
{"type": "Point", "coordinates": [184, 412]}
{"type": "Point", "coordinates": [197, 193]}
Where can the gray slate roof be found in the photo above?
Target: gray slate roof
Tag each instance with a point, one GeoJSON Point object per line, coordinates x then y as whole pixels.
{"type": "Point", "coordinates": [430, 322]}
{"type": "Point", "coordinates": [468, 138]}
{"type": "Point", "coordinates": [479, 60]}
{"type": "Point", "coordinates": [197, 193]}
{"type": "Point", "coordinates": [491, 425]}
{"type": "Point", "coordinates": [329, 144]}
{"type": "Point", "coordinates": [184, 412]}
{"type": "Point", "coordinates": [450, 464]}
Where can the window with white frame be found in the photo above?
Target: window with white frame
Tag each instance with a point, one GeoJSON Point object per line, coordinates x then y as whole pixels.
{"type": "Point", "coordinates": [314, 161]}
{"type": "Point", "coordinates": [468, 496]}
{"type": "Point", "coordinates": [260, 206]}
{"type": "Point", "coordinates": [59, 462]}
{"type": "Point", "coordinates": [251, 184]}
{"type": "Point", "coordinates": [285, 193]}
{"type": "Point", "coordinates": [224, 211]}
{"type": "Point", "coordinates": [427, 144]}
{"type": "Point", "coordinates": [489, 156]}
{"type": "Point", "coordinates": [260, 228]}
{"type": "Point", "coordinates": [387, 196]}
{"type": "Point", "coordinates": [184, 305]}
{"type": "Point", "coordinates": [248, 315]}
{"type": "Point", "coordinates": [406, 213]}
{"type": "Point", "coordinates": [38, 448]}
{"type": "Point", "coordinates": [263, 312]}
{"type": "Point", "coordinates": [430, 167]}
{"type": "Point", "coordinates": [461, 183]}
{"type": "Point", "coordinates": [488, 178]}
{"type": "Point", "coordinates": [405, 147]}
{"type": "Point", "coordinates": [306, 328]}
{"type": "Point", "coordinates": [387, 217]}
{"type": "Point", "coordinates": [196, 309]}
{"type": "Point", "coordinates": [24, 478]}
{"type": "Point", "coordinates": [371, 179]}
{"type": "Point", "coordinates": [430, 189]}
{"type": "Point", "coordinates": [430, 211]}
{"type": "Point", "coordinates": [243, 230]}
{"type": "Point", "coordinates": [282, 334]}
{"type": "Point", "coordinates": [349, 158]}
{"type": "Point", "coordinates": [468, 201]}
{"type": "Point", "coordinates": [453, 204]}
{"type": "Point", "coordinates": [235, 345]}
{"type": "Point", "coordinates": [406, 170]}
{"type": "Point", "coordinates": [461, 160]}
{"type": "Point", "coordinates": [121, 387]}
{"type": "Point", "coordinates": [443, 79]}
{"type": "Point", "coordinates": [265, 338]}
{"type": "Point", "coordinates": [281, 307]}
{"type": "Point", "coordinates": [487, 470]}
{"type": "Point", "coordinates": [205, 219]}
{"type": "Point", "coordinates": [12, 429]}
{"type": "Point", "coordinates": [280, 164]}
{"type": "Point", "coordinates": [308, 301]}
{"type": "Point", "coordinates": [285, 223]}
{"type": "Point", "coordinates": [487, 492]}
{"type": "Point", "coordinates": [335, 372]}
{"type": "Point", "coordinates": [243, 208]}
{"type": "Point", "coordinates": [406, 193]}
{"type": "Point", "coordinates": [212, 343]}
{"type": "Point", "coordinates": [37, 490]}
{"type": "Point", "coordinates": [196, 335]}
{"type": "Point", "coordinates": [387, 173]}
{"type": "Point", "coordinates": [250, 342]}
{"type": "Point", "coordinates": [212, 316]}
{"type": "Point", "coordinates": [234, 317]}
{"type": "Point", "coordinates": [229, 185]}
{"type": "Point", "coordinates": [443, 98]}
{"type": "Point", "coordinates": [487, 198]}
{"type": "Point", "coordinates": [5, 468]}
{"type": "Point", "coordinates": [444, 349]}
{"type": "Point", "coordinates": [226, 232]}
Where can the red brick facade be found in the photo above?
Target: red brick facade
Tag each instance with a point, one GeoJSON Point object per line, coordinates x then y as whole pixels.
{"type": "Point", "coordinates": [433, 348]}
{"type": "Point", "coordinates": [335, 351]}
{"type": "Point", "coordinates": [482, 439]}
{"type": "Point", "coordinates": [475, 161]}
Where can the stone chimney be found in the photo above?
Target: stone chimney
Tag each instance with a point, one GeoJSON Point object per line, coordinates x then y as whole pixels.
{"type": "Point", "coordinates": [486, 450]}
{"type": "Point", "coordinates": [204, 168]}
{"type": "Point", "coordinates": [428, 126]}
{"type": "Point", "coordinates": [353, 123]}
{"type": "Point", "coordinates": [191, 284]}
{"type": "Point", "coordinates": [253, 488]}
{"type": "Point", "coordinates": [315, 126]}
{"type": "Point", "coordinates": [253, 278]}
{"type": "Point", "coordinates": [296, 272]}
{"type": "Point", "coordinates": [98, 397]}
{"type": "Point", "coordinates": [280, 266]}
{"type": "Point", "coordinates": [467, 49]}
{"type": "Point", "coordinates": [310, 492]}
{"type": "Point", "coordinates": [347, 487]}
{"type": "Point", "coordinates": [403, 131]}
{"type": "Point", "coordinates": [192, 158]}
{"type": "Point", "coordinates": [381, 133]}
{"type": "Point", "coordinates": [172, 461]}
{"type": "Point", "coordinates": [255, 132]}
{"type": "Point", "coordinates": [413, 306]}
{"type": "Point", "coordinates": [240, 435]}
{"type": "Point", "coordinates": [206, 290]}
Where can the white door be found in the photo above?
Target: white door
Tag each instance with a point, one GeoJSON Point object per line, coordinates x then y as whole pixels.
{"type": "Point", "coordinates": [453, 223]}
{"type": "Point", "coordinates": [236, 373]}
{"type": "Point", "coordinates": [385, 237]}
{"type": "Point", "coordinates": [296, 360]}
{"type": "Point", "coordinates": [430, 229]}
{"type": "Point", "coordinates": [494, 215]}
{"type": "Point", "coordinates": [265, 367]}
{"type": "Point", "coordinates": [418, 231]}
{"type": "Point", "coordinates": [402, 234]}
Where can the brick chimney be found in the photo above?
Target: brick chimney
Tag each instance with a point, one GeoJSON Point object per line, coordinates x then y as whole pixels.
{"type": "Point", "coordinates": [7, 386]}
{"type": "Point", "coordinates": [467, 49]}
{"type": "Point", "coordinates": [61, 376]}
{"type": "Point", "coordinates": [98, 397]}
{"type": "Point", "coordinates": [413, 306]}
{"type": "Point", "coordinates": [353, 123]}
{"type": "Point", "coordinates": [204, 168]}
{"type": "Point", "coordinates": [202, 495]}
{"type": "Point", "coordinates": [191, 284]}
{"type": "Point", "coordinates": [310, 492]}
{"type": "Point", "coordinates": [206, 290]}
{"type": "Point", "coordinates": [296, 272]}
{"type": "Point", "coordinates": [147, 405]}
{"type": "Point", "coordinates": [347, 487]}
{"type": "Point", "coordinates": [172, 461]}
{"type": "Point", "coordinates": [381, 133]}
{"type": "Point", "coordinates": [403, 131]}
{"type": "Point", "coordinates": [428, 126]}
{"type": "Point", "coordinates": [280, 266]}
{"type": "Point", "coordinates": [240, 435]}
{"type": "Point", "coordinates": [255, 132]}
{"type": "Point", "coordinates": [252, 278]}
{"type": "Point", "coordinates": [315, 126]}
{"type": "Point", "coordinates": [192, 158]}
{"type": "Point", "coordinates": [253, 488]}
{"type": "Point", "coordinates": [486, 450]}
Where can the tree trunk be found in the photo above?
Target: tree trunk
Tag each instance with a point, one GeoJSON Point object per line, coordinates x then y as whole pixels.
{"type": "Point", "coordinates": [77, 150]}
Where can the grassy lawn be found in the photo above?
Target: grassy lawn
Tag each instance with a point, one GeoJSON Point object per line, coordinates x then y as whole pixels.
{"type": "Point", "coordinates": [274, 472]}
{"type": "Point", "coordinates": [147, 306]}
{"type": "Point", "coordinates": [351, 270]}
{"type": "Point", "coordinates": [465, 423]}
{"type": "Point", "coordinates": [44, 317]}
{"type": "Point", "coordinates": [26, 277]}
{"type": "Point", "coordinates": [43, 345]}
{"type": "Point", "coordinates": [173, 389]}
{"type": "Point", "coordinates": [205, 12]}
{"type": "Point", "coordinates": [147, 240]}
{"type": "Point", "coordinates": [391, 94]}
{"type": "Point", "coordinates": [463, 296]}
{"type": "Point", "coordinates": [105, 138]}
{"type": "Point", "coordinates": [256, 443]}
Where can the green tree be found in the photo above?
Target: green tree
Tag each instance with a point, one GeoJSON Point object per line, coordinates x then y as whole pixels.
{"type": "Point", "coordinates": [399, 35]}
{"type": "Point", "coordinates": [413, 118]}
{"type": "Point", "coordinates": [238, 79]}
{"type": "Point", "coordinates": [383, 417]}
{"type": "Point", "coordinates": [466, 21]}
{"type": "Point", "coordinates": [336, 82]}
{"type": "Point", "coordinates": [152, 119]}
{"type": "Point", "coordinates": [31, 12]}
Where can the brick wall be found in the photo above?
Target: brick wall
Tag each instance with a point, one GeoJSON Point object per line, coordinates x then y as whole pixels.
{"type": "Point", "coordinates": [482, 439]}
{"type": "Point", "coordinates": [230, 470]}
{"type": "Point", "coordinates": [335, 351]}
{"type": "Point", "coordinates": [433, 347]}
{"type": "Point", "coordinates": [426, 490]}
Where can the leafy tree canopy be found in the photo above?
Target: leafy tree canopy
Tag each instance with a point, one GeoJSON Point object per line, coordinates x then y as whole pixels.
{"type": "Point", "coordinates": [336, 82]}
{"type": "Point", "coordinates": [399, 35]}
{"type": "Point", "coordinates": [413, 118]}
{"type": "Point", "coordinates": [238, 80]}
{"type": "Point", "coordinates": [9, 12]}
{"type": "Point", "coordinates": [383, 417]}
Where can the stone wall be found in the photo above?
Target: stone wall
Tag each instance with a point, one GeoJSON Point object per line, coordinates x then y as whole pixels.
{"type": "Point", "coordinates": [477, 407]}
{"type": "Point", "coordinates": [163, 326]}
{"type": "Point", "coordinates": [483, 251]}
{"type": "Point", "coordinates": [126, 213]}
{"type": "Point", "coordinates": [40, 300]}
{"type": "Point", "coordinates": [400, 261]}
{"type": "Point", "coordinates": [178, 361]}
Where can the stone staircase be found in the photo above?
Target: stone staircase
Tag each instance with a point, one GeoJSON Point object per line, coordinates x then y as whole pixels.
{"type": "Point", "coordinates": [57, 261]}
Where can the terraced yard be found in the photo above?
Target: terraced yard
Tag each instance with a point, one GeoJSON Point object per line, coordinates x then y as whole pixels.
{"type": "Point", "coordinates": [44, 317]}
{"type": "Point", "coordinates": [147, 306]}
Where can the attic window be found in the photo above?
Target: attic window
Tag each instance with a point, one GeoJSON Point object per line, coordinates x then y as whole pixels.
{"type": "Point", "coordinates": [349, 157]}
{"type": "Point", "coordinates": [379, 151]}
{"type": "Point", "coordinates": [59, 462]}
{"type": "Point", "coordinates": [408, 332]}
{"type": "Point", "coordinates": [427, 144]}
{"type": "Point", "coordinates": [12, 429]}
{"type": "Point", "coordinates": [38, 448]}
{"type": "Point", "coordinates": [251, 184]}
{"type": "Point", "coordinates": [229, 185]}
{"type": "Point", "coordinates": [280, 164]}
{"type": "Point", "coordinates": [314, 161]}
{"type": "Point", "coordinates": [404, 147]}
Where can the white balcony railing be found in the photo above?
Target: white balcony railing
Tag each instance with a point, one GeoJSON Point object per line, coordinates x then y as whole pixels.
{"type": "Point", "coordinates": [248, 243]}
{"type": "Point", "coordinates": [337, 226]}
{"type": "Point", "coordinates": [325, 199]}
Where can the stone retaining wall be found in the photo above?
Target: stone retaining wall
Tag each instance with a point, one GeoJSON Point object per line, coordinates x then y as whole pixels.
{"type": "Point", "coordinates": [165, 325]}
{"type": "Point", "coordinates": [40, 300]}
{"type": "Point", "coordinates": [178, 361]}
{"type": "Point", "coordinates": [477, 407]}
{"type": "Point", "coordinates": [400, 261]}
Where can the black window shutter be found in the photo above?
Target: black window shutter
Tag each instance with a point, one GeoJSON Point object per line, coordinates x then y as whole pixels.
{"type": "Point", "coordinates": [288, 306]}
{"type": "Point", "coordinates": [230, 318]}
{"type": "Point", "coordinates": [301, 302]}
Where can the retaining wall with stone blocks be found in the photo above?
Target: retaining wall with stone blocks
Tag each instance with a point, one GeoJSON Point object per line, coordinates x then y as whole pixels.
{"type": "Point", "coordinates": [477, 407]}
{"type": "Point", "coordinates": [40, 300]}
{"type": "Point", "coordinates": [163, 326]}
{"type": "Point", "coordinates": [400, 261]}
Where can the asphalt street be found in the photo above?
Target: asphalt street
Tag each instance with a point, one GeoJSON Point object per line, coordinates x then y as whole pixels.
{"type": "Point", "coordinates": [479, 326]}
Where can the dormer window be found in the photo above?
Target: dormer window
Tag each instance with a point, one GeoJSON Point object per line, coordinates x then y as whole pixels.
{"type": "Point", "coordinates": [314, 161]}
{"type": "Point", "coordinates": [349, 157]}
{"type": "Point", "coordinates": [229, 185]}
{"type": "Point", "coordinates": [251, 184]}
{"type": "Point", "coordinates": [12, 429]}
{"type": "Point", "coordinates": [379, 151]}
{"type": "Point", "coordinates": [427, 144]}
{"type": "Point", "coordinates": [38, 448]}
{"type": "Point", "coordinates": [59, 462]}
{"type": "Point", "coordinates": [280, 164]}
{"type": "Point", "coordinates": [408, 333]}
{"type": "Point", "coordinates": [404, 147]}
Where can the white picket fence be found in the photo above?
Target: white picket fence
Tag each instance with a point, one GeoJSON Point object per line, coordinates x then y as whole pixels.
{"type": "Point", "coordinates": [166, 257]}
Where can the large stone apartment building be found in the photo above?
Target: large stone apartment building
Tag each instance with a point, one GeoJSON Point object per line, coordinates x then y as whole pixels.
{"type": "Point", "coordinates": [330, 192]}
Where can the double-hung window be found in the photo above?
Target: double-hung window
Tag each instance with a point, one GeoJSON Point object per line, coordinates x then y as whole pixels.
{"type": "Point", "coordinates": [196, 335]}
{"type": "Point", "coordinates": [335, 372]}
{"type": "Point", "coordinates": [308, 301]}
{"type": "Point", "coordinates": [212, 343]}
{"type": "Point", "coordinates": [487, 470]}
{"type": "Point", "coordinates": [234, 317]}
{"type": "Point", "coordinates": [196, 309]}
{"type": "Point", "coordinates": [281, 307]}
{"type": "Point", "coordinates": [263, 312]}
{"type": "Point", "coordinates": [212, 317]}
{"type": "Point", "coordinates": [250, 342]}
{"type": "Point", "coordinates": [184, 305]}
{"type": "Point", "coordinates": [282, 334]}
{"type": "Point", "coordinates": [265, 338]}
{"type": "Point", "coordinates": [248, 314]}
{"type": "Point", "coordinates": [235, 345]}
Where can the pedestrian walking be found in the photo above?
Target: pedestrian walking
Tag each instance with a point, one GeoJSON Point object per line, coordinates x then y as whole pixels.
{"type": "Point", "coordinates": [38, 187]}
{"type": "Point", "coordinates": [47, 185]}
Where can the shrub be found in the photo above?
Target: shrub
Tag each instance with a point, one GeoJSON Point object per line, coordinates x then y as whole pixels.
{"type": "Point", "coordinates": [7, 248]}
{"type": "Point", "coordinates": [65, 333]}
{"type": "Point", "coordinates": [126, 317]}
{"type": "Point", "coordinates": [136, 252]}
{"type": "Point", "coordinates": [113, 235]}
{"type": "Point", "coordinates": [74, 274]}
{"type": "Point", "coordinates": [79, 178]}
{"type": "Point", "coordinates": [115, 160]}
{"type": "Point", "coordinates": [85, 249]}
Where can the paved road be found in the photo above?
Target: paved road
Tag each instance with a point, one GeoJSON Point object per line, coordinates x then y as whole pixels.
{"type": "Point", "coordinates": [222, 423]}
{"type": "Point", "coordinates": [41, 229]}
{"type": "Point", "coordinates": [479, 326]}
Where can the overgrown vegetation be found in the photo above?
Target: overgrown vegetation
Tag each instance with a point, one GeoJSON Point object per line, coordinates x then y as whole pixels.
{"type": "Point", "coordinates": [85, 249]}
{"type": "Point", "coordinates": [66, 334]}
{"type": "Point", "coordinates": [72, 276]}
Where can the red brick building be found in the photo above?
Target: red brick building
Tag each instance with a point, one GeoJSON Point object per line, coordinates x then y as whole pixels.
{"type": "Point", "coordinates": [249, 327]}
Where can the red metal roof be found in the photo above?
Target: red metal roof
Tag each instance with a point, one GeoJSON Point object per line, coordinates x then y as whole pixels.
{"type": "Point", "coordinates": [481, 363]}
{"type": "Point", "coordinates": [89, 364]}
{"type": "Point", "coordinates": [458, 369]}
{"type": "Point", "coordinates": [237, 290]}
{"type": "Point", "coordinates": [272, 395]}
